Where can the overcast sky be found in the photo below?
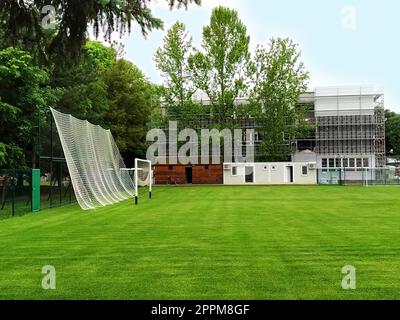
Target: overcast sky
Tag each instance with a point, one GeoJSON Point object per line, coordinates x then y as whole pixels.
{"type": "Point", "coordinates": [343, 42]}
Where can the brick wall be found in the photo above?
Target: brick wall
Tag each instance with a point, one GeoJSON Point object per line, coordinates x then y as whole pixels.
{"type": "Point", "coordinates": [176, 174]}
{"type": "Point", "coordinates": [211, 174]}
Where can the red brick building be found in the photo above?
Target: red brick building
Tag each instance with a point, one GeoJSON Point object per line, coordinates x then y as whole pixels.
{"type": "Point", "coordinates": [188, 174]}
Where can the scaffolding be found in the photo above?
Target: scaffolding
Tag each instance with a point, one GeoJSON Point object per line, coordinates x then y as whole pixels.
{"type": "Point", "coordinates": [343, 131]}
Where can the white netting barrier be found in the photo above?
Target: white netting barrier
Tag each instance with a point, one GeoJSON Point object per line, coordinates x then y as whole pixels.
{"type": "Point", "coordinates": [143, 176]}
{"type": "Point", "coordinates": [97, 170]}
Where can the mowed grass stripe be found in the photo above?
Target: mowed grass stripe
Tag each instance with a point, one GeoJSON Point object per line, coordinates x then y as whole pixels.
{"type": "Point", "coordinates": [210, 243]}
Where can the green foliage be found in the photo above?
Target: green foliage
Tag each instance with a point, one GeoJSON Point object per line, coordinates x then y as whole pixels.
{"type": "Point", "coordinates": [3, 154]}
{"type": "Point", "coordinates": [132, 99]}
{"type": "Point", "coordinates": [105, 91]}
{"type": "Point", "coordinates": [224, 70]}
{"type": "Point", "coordinates": [85, 90]}
{"type": "Point", "coordinates": [23, 93]}
{"type": "Point", "coordinates": [221, 70]}
{"type": "Point", "coordinates": [99, 56]}
{"type": "Point", "coordinates": [158, 117]}
{"type": "Point", "coordinates": [109, 92]}
{"type": "Point", "coordinates": [113, 93]}
{"type": "Point", "coordinates": [22, 21]}
{"type": "Point", "coordinates": [12, 156]}
{"type": "Point", "coordinates": [392, 133]}
{"type": "Point", "coordinates": [279, 79]}
{"type": "Point", "coordinates": [172, 59]}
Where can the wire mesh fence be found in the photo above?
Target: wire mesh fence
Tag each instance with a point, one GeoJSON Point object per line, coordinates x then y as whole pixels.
{"type": "Point", "coordinates": [55, 184]}
{"type": "Point", "coordinates": [16, 189]}
{"type": "Point", "coordinates": [384, 176]}
{"type": "Point", "coordinates": [15, 192]}
{"type": "Point", "coordinates": [363, 177]}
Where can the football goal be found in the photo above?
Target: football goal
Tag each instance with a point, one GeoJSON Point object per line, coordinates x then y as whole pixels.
{"type": "Point", "coordinates": [143, 177]}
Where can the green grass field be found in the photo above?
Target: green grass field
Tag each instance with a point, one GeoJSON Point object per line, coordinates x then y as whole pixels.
{"type": "Point", "coordinates": [211, 243]}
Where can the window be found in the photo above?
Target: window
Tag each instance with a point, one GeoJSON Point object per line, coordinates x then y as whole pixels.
{"type": "Point", "coordinates": [331, 163]}
{"type": "Point", "coordinates": [304, 170]}
{"type": "Point", "coordinates": [366, 163]}
{"type": "Point", "coordinates": [338, 163]}
{"type": "Point", "coordinates": [324, 163]}
{"type": "Point", "coordinates": [345, 163]}
{"type": "Point", "coordinates": [359, 163]}
{"type": "Point", "coordinates": [352, 163]}
{"type": "Point", "coordinates": [234, 171]}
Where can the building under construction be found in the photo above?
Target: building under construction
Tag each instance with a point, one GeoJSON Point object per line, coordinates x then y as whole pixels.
{"type": "Point", "coordinates": [349, 128]}
{"type": "Point", "coordinates": [347, 135]}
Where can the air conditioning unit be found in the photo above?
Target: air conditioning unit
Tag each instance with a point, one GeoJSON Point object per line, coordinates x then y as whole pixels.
{"type": "Point", "coordinates": [227, 167]}
{"type": "Point", "coordinates": [312, 166]}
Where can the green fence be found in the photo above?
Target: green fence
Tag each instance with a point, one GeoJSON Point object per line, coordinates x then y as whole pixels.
{"type": "Point", "coordinates": [330, 176]}
{"type": "Point", "coordinates": [382, 177]}
{"type": "Point", "coordinates": [364, 177]}
{"type": "Point", "coordinates": [15, 193]}
{"type": "Point", "coordinates": [31, 190]}
{"type": "Point", "coordinates": [55, 185]}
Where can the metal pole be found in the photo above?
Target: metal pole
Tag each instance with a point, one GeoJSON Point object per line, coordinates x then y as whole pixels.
{"type": "Point", "coordinates": [38, 146]}
{"type": "Point", "coordinates": [32, 186]}
{"type": "Point", "coordinates": [35, 142]}
{"type": "Point", "coordinates": [70, 191]}
{"type": "Point", "coordinates": [366, 177]}
{"type": "Point", "coordinates": [13, 194]}
{"type": "Point", "coordinates": [150, 180]}
{"type": "Point", "coordinates": [59, 179]}
{"type": "Point", "coordinates": [136, 182]}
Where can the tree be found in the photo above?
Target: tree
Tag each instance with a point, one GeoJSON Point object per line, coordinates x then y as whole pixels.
{"type": "Point", "coordinates": [23, 95]}
{"type": "Point", "coordinates": [172, 59]}
{"type": "Point", "coordinates": [221, 70]}
{"type": "Point", "coordinates": [392, 125]}
{"type": "Point", "coordinates": [132, 99]}
{"type": "Point", "coordinates": [279, 79]}
{"type": "Point", "coordinates": [23, 21]}
{"type": "Point", "coordinates": [85, 91]}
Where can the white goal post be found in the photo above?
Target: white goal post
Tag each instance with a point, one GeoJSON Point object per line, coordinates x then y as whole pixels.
{"type": "Point", "coordinates": [143, 176]}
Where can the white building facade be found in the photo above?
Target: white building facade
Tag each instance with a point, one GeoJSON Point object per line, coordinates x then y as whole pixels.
{"type": "Point", "coordinates": [270, 173]}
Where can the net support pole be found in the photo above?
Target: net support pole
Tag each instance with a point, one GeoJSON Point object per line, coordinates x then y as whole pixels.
{"type": "Point", "coordinates": [136, 181]}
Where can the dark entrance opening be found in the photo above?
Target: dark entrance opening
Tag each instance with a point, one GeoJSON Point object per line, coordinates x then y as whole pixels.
{"type": "Point", "coordinates": [249, 172]}
{"type": "Point", "coordinates": [189, 175]}
{"type": "Point", "coordinates": [289, 174]}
